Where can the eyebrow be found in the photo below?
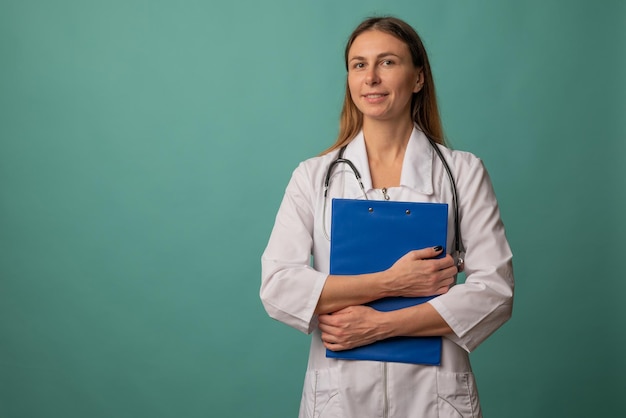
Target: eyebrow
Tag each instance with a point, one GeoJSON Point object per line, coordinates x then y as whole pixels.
{"type": "Point", "coordinates": [381, 55]}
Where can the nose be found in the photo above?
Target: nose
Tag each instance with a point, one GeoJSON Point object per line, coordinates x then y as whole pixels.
{"type": "Point", "coordinates": [372, 78]}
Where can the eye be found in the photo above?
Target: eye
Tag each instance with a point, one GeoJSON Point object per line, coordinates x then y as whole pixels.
{"type": "Point", "coordinates": [358, 65]}
{"type": "Point", "coordinates": [387, 62]}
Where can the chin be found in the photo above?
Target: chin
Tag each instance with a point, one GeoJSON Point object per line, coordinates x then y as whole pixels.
{"type": "Point", "coordinates": [378, 117]}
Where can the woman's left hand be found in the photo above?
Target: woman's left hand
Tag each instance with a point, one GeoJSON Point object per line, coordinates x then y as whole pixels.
{"type": "Point", "coordinates": [352, 327]}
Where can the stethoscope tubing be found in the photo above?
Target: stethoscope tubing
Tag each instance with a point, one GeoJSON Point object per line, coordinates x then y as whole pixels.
{"type": "Point", "coordinates": [459, 248]}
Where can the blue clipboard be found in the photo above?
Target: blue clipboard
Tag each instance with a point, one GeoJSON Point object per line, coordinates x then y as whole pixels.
{"type": "Point", "coordinates": [369, 236]}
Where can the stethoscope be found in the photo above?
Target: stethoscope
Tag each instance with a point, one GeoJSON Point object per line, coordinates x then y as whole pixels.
{"type": "Point", "coordinates": [459, 250]}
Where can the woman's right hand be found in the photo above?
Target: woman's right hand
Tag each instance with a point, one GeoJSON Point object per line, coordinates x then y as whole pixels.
{"type": "Point", "coordinates": [417, 273]}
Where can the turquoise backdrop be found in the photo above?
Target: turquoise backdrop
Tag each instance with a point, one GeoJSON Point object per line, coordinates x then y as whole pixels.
{"type": "Point", "coordinates": [144, 149]}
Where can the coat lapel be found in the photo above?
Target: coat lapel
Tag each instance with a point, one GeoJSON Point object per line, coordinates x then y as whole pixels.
{"type": "Point", "coordinates": [417, 167]}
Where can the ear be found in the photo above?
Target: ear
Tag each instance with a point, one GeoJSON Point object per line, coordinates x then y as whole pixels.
{"type": "Point", "coordinates": [419, 83]}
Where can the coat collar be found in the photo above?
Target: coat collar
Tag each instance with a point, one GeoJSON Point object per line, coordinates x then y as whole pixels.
{"type": "Point", "coordinates": [417, 167]}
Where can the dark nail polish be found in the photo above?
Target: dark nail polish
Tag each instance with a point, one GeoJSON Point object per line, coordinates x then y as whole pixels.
{"type": "Point", "coordinates": [438, 248]}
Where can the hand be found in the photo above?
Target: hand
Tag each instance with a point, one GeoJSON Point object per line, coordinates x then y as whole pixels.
{"type": "Point", "coordinates": [417, 273]}
{"type": "Point", "coordinates": [351, 327]}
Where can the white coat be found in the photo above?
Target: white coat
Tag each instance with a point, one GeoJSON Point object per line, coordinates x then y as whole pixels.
{"type": "Point", "coordinates": [291, 286]}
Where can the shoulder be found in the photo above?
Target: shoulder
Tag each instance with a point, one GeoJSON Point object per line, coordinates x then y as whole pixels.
{"type": "Point", "coordinates": [460, 159]}
{"type": "Point", "coordinates": [308, 176]}
{"type": "Point", "coordinates": [456, 159]}
{"type": "Point", "coordinates": [465, 166]}
{"type": "Point", "coordinates": [314, 168]}
{"type": "Point", "coordinates": [467, 169]}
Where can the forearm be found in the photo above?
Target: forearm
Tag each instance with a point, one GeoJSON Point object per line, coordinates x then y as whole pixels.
{"type": "Point", "coordinates": [416, 321]}
{"type": "Point", "coordinates": [342, 291]}
{"type": "Point", "coordinates": [357, 326]}
{"type": "Point", "coordinates": [416, 273]}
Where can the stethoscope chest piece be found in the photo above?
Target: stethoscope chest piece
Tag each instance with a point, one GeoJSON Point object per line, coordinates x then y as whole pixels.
{"type": "Point", "coordinates": [459, 259]}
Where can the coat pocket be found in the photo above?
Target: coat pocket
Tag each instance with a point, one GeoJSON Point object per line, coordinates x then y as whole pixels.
{"type": "Point", "coordinates": [320, 396]}
{"type": "Point", "coordinates": [457, 396]}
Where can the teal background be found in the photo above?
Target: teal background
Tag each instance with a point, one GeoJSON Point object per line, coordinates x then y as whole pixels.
{"type": "Point", "coordinates": [145, 147]}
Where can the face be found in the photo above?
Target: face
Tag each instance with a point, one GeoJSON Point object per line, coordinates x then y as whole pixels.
{"type": "Point", "coordinates": [381, 76]}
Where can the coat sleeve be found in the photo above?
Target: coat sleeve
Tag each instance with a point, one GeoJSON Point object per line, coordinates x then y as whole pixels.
{"type": "Point", "coordinates": [478, 307]}
{"type": "Point", "coordinates": [290, 287]}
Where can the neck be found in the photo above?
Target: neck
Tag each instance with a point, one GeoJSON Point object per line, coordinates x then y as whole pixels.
{"type": "Point", "coordinates": [386, 141]}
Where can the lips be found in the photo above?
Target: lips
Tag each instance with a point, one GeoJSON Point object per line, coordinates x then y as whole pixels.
{"type": "Point", "coordinates": [375, 98]}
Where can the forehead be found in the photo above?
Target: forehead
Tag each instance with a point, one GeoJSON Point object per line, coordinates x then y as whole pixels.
{"type": "Point", "coordinates": [375, 42]}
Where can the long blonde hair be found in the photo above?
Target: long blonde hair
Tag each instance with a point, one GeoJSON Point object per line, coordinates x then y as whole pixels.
{"type": "Point", "coordinates": [424, 109]}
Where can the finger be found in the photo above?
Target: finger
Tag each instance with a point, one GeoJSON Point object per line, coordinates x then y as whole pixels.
{"type": "Point", "coordinates": [332, 340]}
{"type": "Point", "coordinates": [442, 290]}
{"type": "Point", "coordinates": [329, 319]}
{"type": "Point", "coordinates": [328, 338]}
{"type": "Point", "coordinates": [323, 319]}
{"type": "Point", "coordinates": [334, 346]}
{"type": "Point", "coordinates": [337, 330]}
{"type": "Point", "coordinates": [444, 263]}
{"type": "Point", "coordinates": [450, 271]}
{"type": "Point", "coordinates": [325, 327]}
{"type": "Point", "coordinates": [437, 266]}
{"type": "Point", "coordinates": [328, 329]}
{"type": "Point", "coordinates": [444, 273]}
{"type": "Point", "coordinates": [444, 284]}
{"type": "Point", "coordinates": [426, 253]}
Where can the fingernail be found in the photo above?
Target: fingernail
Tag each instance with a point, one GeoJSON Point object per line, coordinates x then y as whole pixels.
{"type": "Point", "coordinates": [438, 248]}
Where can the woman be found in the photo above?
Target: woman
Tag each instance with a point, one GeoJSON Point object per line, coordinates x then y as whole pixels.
{"type": "Point", "coordinates": [389, 113]}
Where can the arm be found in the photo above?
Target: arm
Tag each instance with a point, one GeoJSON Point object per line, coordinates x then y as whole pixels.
{"type": "Point", "coordinates": [355, 326]}
{"type": "Point", "coordinates": [468, 313]}
{"type": "Point", "coordinates": [478, 307]}
{"type": "Point", "coordinates": [294, 293]}
{"type": "Point", "coordinates": [290, 287]}
{"type": "Point", "coordinates": [415, 274]}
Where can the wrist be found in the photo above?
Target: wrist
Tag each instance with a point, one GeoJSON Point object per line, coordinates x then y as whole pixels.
{"type": "Point", "coordinates": [385, 284]}
{"type": "Point", "coordinates": [387, 325]}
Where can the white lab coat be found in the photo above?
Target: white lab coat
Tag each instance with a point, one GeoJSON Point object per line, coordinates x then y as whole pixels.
{"type": "Point", "coordinates": [291, 287]}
